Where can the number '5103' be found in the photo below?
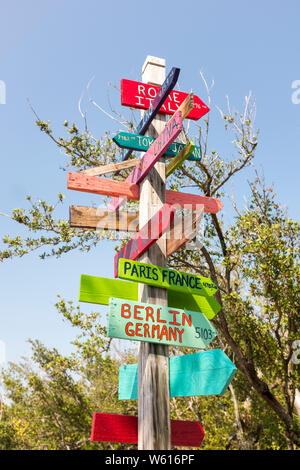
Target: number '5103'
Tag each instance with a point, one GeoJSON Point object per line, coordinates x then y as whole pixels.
{"type": "Point", "coordinates": [203, 333]}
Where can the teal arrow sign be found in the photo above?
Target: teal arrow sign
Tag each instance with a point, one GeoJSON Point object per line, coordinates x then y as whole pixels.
{"type": "Point", "coordinates": [142, 144]}
{"type": "Point", "coordinates": [202, 373]}
{"type": "Point", "coordinates": [139, 321]}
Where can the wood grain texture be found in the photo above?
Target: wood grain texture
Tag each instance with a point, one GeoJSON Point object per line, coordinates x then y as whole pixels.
{"type": "Point", "coordinates": [153, 359]}
{"type": "Point", "coordinates": [184, 230]}
{"type": "Point", "coordinates": [108, 427]}
{"type": "Point", "coordinates": [200, 374]}
{"type": "Point", "coordinates": [104, 186]}
{"type": "Point", "coordinates": [98, 290]}
{"type": "Point", "coordinates": [93, 218]}
{"type": "Point", "coordinates": [191, 201]}
{"type": "Point", "coordinates": [110, 168]}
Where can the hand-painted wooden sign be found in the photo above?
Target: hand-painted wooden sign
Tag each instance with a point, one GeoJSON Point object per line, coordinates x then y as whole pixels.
{"type": "Point", "coordinates": [180, 233]}
{"type": "Point", "coordinates": [166, 278]}
{"type": "Point", "coordinates": [140, 321]}
{"type": "Point", "coordinates": [180, 158]}
{"type": "Point", "coordinates": [160, 97]}
{"type": "Point", "coordinates": [105, 186]}
{"type": "Point", "coordinates": [147, 235]}
{"type": "Point", "coordinates": [142, 144]}
{"type": "Point", "coordinates": [191, 201]}
{"type": "Point", "coordinates": [141, 95]}
{"type": "Point", "coordinates": [156, 150]}
{"type": "Point", "coordinates": [198, 374]}
{"type": "Point", "coordinates": [98, 290]}
{"type": "Point", "coordinates": [110, 168]}
{"type": "Point", "coordinates": [102, 219]}
{"type": "Point", "coordinates": [122, 428]}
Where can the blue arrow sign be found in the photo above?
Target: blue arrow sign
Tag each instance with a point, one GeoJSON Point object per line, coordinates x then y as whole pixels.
{"type": "Point", "coordinates": [202, 373]}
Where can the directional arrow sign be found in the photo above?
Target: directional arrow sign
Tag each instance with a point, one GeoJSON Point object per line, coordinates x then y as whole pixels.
{"type": "Point", "coordinates": [149, 234]}
{"type": "Point", "coordinates": [140, 321]}
{"type": "Point", "coordinates": [108, 427]}
{"type": "Point", "coordinates": [98, 290]}
{"type": "Point", "coordinates": [182, 232]}
{"type": "Point", "coordinates": [105, 186]}
{"type": "Point", "coordinates": [141, 95]}
{"type": "Point", "coordinates": [169, 133]}
{"type": "Point", "coordinates": [180, 158]}
{"type": "Point", "coordinates": [165, 277]}
{"type": "Point", "coordinates": [142, 144]}
{"type": "Point", "coordinates": [198, 374]}
{"type": "Point", "coordinates": [160, 97]}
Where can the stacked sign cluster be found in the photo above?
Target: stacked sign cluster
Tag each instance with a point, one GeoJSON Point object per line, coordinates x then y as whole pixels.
{"type": "Point", "coordinates": [191, 304]}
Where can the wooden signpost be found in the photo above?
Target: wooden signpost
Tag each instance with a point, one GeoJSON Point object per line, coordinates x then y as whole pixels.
{"type": "Point", "coordinates": [156, 150]}
{"type": "Point", "coordinates": [147, 235]}
{"type": "Point", "coordinates": [141, 95]}
{"type": "Point", "coordinates": [98, 290]}
{"type": "Point", "coordinates": [198, 374]}
{"type": "Point", "coordinates": [140, 321]}
{"type": "Point", "coordinates": [164, 277]}
{"type": "Point", "coordinates": [158, 306]}
{"type": "Point", "coordinates": [142, 143]}
{"type": "Point", "coordinates": [122, 428]}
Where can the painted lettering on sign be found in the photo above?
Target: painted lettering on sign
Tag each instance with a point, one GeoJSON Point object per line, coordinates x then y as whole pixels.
{"type": "Point", "coordinates": [158, 324]}
{"type": "Point", "coordinates": [142, 144]}
{"type": "Point", "coordinates": [141, 95]}
{"type": "Point", "coordinates": [164, 277]}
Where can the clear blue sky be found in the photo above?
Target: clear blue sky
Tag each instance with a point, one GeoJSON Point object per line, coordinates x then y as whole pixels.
{"type": "Point", "coordinates": [50, 50]}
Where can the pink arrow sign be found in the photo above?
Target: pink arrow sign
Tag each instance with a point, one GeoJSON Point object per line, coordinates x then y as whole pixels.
{"type": "Point", "coordinates": [171, 130]}
{"type": "Point", "coordinates": [149, 234]}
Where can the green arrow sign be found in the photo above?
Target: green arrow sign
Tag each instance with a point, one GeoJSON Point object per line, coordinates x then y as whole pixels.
{"type": "Point", "coordinates": [164, 277]}
{"type": "Point", "coordinates": [140, 321]}
{"type": "Point", "coordinates": [142, 144]}
{"type": "Point", "coordinates": [199, 374]}
{"type": "Point", "coordinates": [98, 290]}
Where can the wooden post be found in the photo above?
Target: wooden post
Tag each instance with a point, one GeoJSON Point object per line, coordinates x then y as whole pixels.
{"type": "Point", "coordinates": [154, 429]}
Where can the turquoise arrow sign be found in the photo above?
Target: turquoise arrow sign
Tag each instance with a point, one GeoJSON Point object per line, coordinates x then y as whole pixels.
{"type": "Point", "coordinates": [142, 144]}
{"type": "Point", "coordinates": [202, 373]}
{"type": "Point", "coordinates": [139, 321]}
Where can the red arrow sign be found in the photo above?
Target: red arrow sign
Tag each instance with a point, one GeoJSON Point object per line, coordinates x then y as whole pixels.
{"type": "Point", "coordinates": [141, 95]}
{"type": "Point", "coordinates": [121, 428]}
{"type": "Point", "coordinates": [149, 234]}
